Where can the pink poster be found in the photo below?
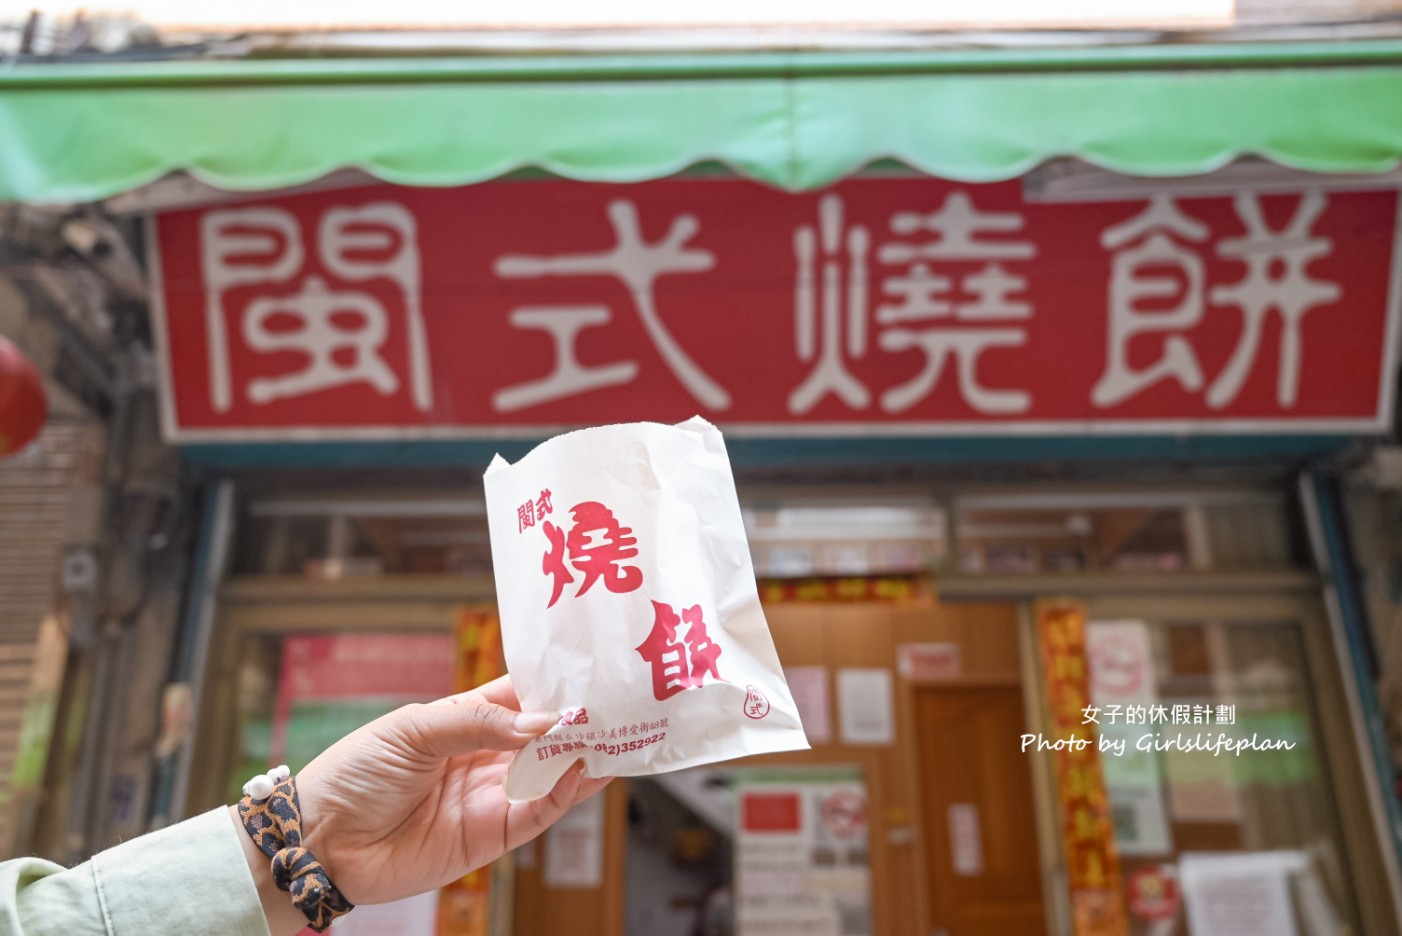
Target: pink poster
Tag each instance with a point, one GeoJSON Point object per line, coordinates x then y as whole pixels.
{"type": "Point", "coordinates": [331, 684]}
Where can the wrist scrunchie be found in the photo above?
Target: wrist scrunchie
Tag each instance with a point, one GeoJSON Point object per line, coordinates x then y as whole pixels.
{"type": "Point", "coordinates": [275, 825]}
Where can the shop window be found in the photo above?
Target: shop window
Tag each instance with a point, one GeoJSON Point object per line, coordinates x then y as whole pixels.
{"type": "Point", "coordinates": [1186, 813]}
{"type": "Point", "coordinates": [1224, 531]}
{"type": "Point", "coordinates": [337, 539]}
{"type": "Point", "coordinates": [844, 537]}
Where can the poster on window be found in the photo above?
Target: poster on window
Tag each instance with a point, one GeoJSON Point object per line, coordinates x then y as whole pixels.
{"type": "Point", "coordinates": [1123, 691]}
{"type": "Point", "coordinates": [330, 685]}
{"type": "Point", "coordinates": [876, 306]}
{"type": "Point", "coordinates": [801, 858]}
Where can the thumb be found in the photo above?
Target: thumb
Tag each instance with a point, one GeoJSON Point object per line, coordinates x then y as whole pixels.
{"type": "Point", "coordinates": [457, 725]}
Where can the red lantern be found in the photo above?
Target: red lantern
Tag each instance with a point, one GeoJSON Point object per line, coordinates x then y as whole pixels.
{"type": "Point", "coordinates": [23, 408]}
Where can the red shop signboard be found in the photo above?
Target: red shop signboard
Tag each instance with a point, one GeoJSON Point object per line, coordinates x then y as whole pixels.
{"type": "Point", "coordinates": [879, 306]}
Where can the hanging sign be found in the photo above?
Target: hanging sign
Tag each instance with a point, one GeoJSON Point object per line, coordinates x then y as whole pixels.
{"type": "Point", "coordinates": [1088, 833]}
{"type": "Point", "coordinates": [878, 306]}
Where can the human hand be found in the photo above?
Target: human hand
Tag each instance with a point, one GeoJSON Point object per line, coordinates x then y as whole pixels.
{"type": "Point", "coordinates": [414, 800]}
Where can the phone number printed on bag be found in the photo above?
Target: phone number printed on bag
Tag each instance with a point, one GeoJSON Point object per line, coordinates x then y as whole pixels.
{"type": "Point", "coordinates": [625, 747]}
{"type": "Point", "coordinates": [612, 741]}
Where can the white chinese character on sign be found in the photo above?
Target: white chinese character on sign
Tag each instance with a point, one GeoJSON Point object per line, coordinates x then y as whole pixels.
{"type": "Point", "coordinates": [924, 295]}
{"type": "Point", "coordinates": [321, 338]}
{"type": "Point", "coordinates": [341, 333]}
{"type": "Point", "coordinates": [241, 247]}
{"type": "Point", "coordinates": [1275, 278]}
{"type": "Point", "coordinates": [378, 240]}
{"type": "Point", "coordinates": [1139, 287]}
{"type": "Point", "coordinates": [822, 332]}
{"type": "Point", "coordinates": [568, 376]}
{"type": "Point", "coordinates": [637, 265]}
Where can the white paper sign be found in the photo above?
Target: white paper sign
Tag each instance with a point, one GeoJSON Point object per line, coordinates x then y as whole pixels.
{"type": "Point", "coordinates": [1201, 787]}
{"type": "Point", "coordinates": [1239, 894]}
{"type": "Point", "coordinates": [866, 703]}
{"type": "Point", "coordinates": [929, 661]}
{"type": "Point", "coordinates": [1134, 783]}
{"type": "Point", "coordinates": [801, 859]}
{"type": "Point", "coordinates": [809, 687]}
{"type": "Point", "coordinates": [1121, 657]}
{"type": "Point", "coordinates": [628, 603]}
{"type": "Point", "coordinates": [965, 839]}
{"type": "Point", "coordinates": [574, 847]}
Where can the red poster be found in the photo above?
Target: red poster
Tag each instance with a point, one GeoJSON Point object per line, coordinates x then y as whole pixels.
{"type": "Point", "coordinates": [771, 812]}
{"type": "Point", "coordinates": [879, 306]}
{"type": "Point", "coordinates": [1088, 832]}
{"type": "Point", "coordinates": [378, 671]}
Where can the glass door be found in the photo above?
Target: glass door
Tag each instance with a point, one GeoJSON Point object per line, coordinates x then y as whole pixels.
{"type": "Point", "coordinates": [1228, 763]}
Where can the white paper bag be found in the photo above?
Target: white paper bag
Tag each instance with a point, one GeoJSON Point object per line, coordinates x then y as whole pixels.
{"type": "Point", "coordinates": [628, 604]}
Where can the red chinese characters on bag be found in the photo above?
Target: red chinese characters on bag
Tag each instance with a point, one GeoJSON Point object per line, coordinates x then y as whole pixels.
{"type": "Point", "coordinates": [554, 562]}
{"type": "Point", "coordinates": [596, 545]}
{"type": "Point", "coordinates": [528, 513]}
{"type": "Point", "coordinates": [678, 664]}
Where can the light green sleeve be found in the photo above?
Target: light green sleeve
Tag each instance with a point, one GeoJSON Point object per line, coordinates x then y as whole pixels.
{"type": "Point", "coordinates": [186, 879]}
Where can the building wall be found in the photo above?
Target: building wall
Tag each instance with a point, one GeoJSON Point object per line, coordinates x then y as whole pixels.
{"type": "Point", "coordinates": [49, 507]}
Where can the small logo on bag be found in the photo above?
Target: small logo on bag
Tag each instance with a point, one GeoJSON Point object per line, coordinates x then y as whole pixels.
{"type": "Point", "coordinates": [756, 705]}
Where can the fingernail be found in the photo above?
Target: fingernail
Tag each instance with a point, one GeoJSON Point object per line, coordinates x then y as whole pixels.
{"type": "Point", "coordinates": [534, 723]}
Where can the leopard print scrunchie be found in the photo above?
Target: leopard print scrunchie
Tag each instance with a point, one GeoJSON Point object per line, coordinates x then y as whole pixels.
{"type": "Point", "coordinates": [275, 825]}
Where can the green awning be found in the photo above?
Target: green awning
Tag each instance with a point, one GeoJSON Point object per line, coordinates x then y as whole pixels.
{"type": "Point", "coordinates": [796, 120]}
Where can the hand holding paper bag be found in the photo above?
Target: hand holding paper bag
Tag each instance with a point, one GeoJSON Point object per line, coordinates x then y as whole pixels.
{"type": "Point", "coordinates": [628, 604]}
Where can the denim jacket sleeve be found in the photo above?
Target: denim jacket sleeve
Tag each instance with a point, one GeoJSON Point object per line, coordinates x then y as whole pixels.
{"type": "Point", "coordinates": [186, 879]}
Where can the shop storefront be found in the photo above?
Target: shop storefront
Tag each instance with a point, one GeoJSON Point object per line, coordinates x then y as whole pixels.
{"type": "Point", "coordinates": [1020, 458]}
{"type": "Point", "coordinates": [947, 635]}
{"type": "Point", "coordinates": [919, 699]}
